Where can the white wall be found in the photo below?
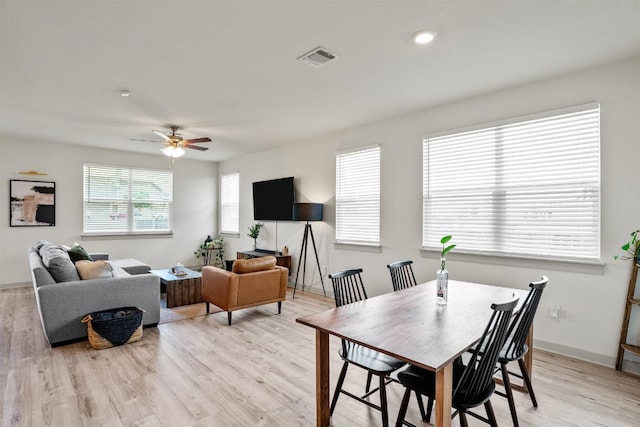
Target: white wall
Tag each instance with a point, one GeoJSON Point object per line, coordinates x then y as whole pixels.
{"type": "Point", "coordinates": [592, 299]}
{"type": "Point", "coordinates": [194, 210]}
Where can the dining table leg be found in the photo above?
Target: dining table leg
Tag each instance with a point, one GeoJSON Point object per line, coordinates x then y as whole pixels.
{"type": "Point", "coordinates": [322, 379]}
{"type": "Point", "coordinates": [444, 394]}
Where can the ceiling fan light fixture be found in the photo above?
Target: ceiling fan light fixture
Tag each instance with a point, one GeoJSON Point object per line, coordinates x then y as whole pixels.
{"type": "Point", "coordinates": [172, 151]}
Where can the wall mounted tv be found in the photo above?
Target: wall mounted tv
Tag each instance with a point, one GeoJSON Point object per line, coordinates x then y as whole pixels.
{"type": "Point", "coordinates": [273, 199]}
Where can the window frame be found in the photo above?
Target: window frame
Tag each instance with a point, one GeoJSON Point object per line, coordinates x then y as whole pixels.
{"type": "Point", "coordinates": [496, 252]}
{"type": "Point", "coordinates": [231, 204]}
{"type": "Point", "coordinates": [129, 201]}
{"type": "Point", "coordinates": [344, 239]}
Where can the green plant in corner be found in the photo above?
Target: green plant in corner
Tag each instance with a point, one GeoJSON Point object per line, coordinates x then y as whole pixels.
{"type": "Point", "coordinates": [445, 250]}
{"type": "Point", "coordinates": [631, 248]}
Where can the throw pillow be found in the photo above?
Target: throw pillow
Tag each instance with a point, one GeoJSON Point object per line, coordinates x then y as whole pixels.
{"type": "Point", "coordinates": [78, 253]}
{"type": "Point", "coordinates": [94, 269]}
{"type": "Point", "coordinates": [57, 261]}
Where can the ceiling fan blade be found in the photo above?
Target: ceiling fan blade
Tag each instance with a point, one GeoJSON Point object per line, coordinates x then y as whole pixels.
{"type": "Point", "coordinates": [162, 135]}
{"type": "Point", "coordinates": [195, 147]}
{"type": "Point", "coordinates": [196, 140]}
{"type": "Point", "coordinates": [145, 140]}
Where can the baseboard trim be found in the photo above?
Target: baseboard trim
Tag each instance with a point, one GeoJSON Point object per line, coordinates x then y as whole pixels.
{"type": "Point", "coordinates": [576, 353]}
{"type": "Point", "coordinates": [15, 285]}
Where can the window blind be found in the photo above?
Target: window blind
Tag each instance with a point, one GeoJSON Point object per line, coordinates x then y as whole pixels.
{"type": "Point", "coordinates": [358, 196]}
{"type": "Point", "coordinates": [230, 203]}
{"type": "Point", "coordinates": [119, 199]}
{"type": "Point", "coordinates": [527, 188]}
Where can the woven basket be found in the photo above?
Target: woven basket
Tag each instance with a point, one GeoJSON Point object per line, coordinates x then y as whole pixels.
{"type": "Point", "coordinates": [117, 326]}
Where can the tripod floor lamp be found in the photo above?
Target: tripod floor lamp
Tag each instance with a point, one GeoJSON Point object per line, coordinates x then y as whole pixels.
{"type": "Point", "coordinates": [307, 212]}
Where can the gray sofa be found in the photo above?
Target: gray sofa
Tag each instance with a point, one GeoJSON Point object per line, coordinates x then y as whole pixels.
{"type": "Point", "coordinates": [63, 304]}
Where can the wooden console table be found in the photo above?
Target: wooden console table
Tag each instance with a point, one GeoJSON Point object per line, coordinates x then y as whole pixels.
{"type": "Point", "coordinates": [281, 260]}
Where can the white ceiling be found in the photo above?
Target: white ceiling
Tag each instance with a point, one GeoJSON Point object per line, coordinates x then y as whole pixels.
{"type": "Point", "coordinates": [227, 69]}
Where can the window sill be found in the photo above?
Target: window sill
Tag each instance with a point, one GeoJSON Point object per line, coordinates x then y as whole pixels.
{"type": "Point", "coordinates": [358, 247]}
{"type": "Point", "coordinates": [118, 236]}
{"type": "Point", "coordinates": [575, 266]}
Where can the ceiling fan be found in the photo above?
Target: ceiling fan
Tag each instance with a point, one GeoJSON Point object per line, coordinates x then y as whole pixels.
{"type": "Point", "coordinates": [175, 144]}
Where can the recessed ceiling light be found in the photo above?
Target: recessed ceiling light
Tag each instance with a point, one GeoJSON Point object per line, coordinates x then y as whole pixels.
{"type": "Point", "coordinates": [124, 92]}
{"type": "Point", "coordinates": [424, 36]}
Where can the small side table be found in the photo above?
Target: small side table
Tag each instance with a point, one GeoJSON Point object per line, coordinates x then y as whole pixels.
{"type": "Point", "coordinates": [181, 290]}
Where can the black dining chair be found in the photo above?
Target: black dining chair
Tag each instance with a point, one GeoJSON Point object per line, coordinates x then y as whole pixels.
{"type": "Point", "coordinates": [473, 383]}
{"type": "Point", "coordinates": [516, 346]}
{"type": "Point", "coordinates": [348, 288]}
{"type": "Point", "coordinates": [402, 276]}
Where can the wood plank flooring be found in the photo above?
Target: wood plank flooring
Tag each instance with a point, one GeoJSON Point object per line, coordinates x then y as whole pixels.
{"type": "Point", "coordinates": [258, 372]}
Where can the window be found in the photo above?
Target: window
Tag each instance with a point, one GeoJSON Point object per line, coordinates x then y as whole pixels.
{"type": "Point", "coordinates": [230, 203]}
{"type": "Point", "coordinates": [526, 187]}
{"type": "Point", "coordinates": [126, 200]}
{"type": "Point", "coordinates": [358, 196]}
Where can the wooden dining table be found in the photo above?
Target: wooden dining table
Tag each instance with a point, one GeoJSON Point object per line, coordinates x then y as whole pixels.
{"type": "Point", "coordinates": [410, 326]}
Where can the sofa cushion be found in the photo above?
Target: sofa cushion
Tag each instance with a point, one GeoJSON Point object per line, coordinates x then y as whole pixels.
{"type": "Point", "coordinates": [251, 265]}
{"type": "Point", "coordinates": [94, 269]}
{"type": "Point", "coordinates": [78, 253]}
{"type": "Point", "coordinates": [57, 261]}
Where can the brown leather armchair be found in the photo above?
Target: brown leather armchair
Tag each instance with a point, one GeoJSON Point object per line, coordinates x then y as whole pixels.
{"type": "Point", "coordinates": [252, 282]}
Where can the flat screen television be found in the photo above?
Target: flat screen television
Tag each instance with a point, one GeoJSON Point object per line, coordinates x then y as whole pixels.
{"type": "Point", "coordinates": [273, 200]}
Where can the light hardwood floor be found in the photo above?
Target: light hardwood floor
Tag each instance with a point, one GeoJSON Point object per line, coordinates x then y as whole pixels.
{"type": "Point", "coordinates": [258, 372]}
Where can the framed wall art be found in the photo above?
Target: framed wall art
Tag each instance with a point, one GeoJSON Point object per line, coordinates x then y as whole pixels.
{"type": "Point", "coordinates": [32, 203]}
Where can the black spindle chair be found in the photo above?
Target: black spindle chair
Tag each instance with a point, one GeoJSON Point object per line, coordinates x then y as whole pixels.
{"type": "Point", "coordinates": [348, 288]}
{"type": "Point", "coordinates": [516, 346]}
{"type": "Point", "coordinates": [402, 276]}
{"type": "Point", "coordinates": [473, 383]}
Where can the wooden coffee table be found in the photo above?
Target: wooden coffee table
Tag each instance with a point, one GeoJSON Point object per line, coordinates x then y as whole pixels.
{"type": "Point", "coordinates": [181, 289]}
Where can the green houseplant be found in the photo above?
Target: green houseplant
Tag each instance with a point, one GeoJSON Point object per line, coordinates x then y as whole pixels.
{"type": "Point", "coordinates": [631, 248]}
{"type": "Point", "coordinates": [445, 250]}
{"type": "Point", "coordinates": [254, 232]}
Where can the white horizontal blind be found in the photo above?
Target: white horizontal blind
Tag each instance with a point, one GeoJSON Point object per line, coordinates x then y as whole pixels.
{"type": "Point", "coordinates": [125, 200]}
{"type": "Point", "coordinates": [526, 188]}
{"type": "Point", "coordinates": [358, 196]}
{"type": "Point", "coordinates": [230, 203]}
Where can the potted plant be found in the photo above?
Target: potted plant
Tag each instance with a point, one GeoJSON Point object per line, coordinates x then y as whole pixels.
{"type": "Point", "coordinates": [254, 232]}
{"type": "Point", "coordinates": [205, 248]}
{"type": "Point", "coordinates": [631, 248]}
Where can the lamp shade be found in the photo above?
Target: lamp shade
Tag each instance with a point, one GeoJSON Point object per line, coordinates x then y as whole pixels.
{"type": "Point", "coordinates": [307, 211]}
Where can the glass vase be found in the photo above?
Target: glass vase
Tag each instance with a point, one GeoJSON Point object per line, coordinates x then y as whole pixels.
{"type": "Point", "coordinates": [442, 284]}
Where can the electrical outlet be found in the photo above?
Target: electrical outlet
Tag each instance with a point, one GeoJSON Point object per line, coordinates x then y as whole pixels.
{"type": "Point", "coordinates": [555, 311]}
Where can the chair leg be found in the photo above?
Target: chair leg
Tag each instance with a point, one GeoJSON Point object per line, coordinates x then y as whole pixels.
{"type": "Point", "coordinates": [403, 407]}
{"type": "Point", "coordinates": [490, 414]}
{"type": "Point", "coordinates": [429, 409]}
{"type": "Point", "coordinates": [368, 387]}
{"type": "Point", "coordinates": [279, 307]}
{"type": "Point", "coordinates": [509, 393]}
{"type": "Point", "coordinates": [207, 305]}
{"type": "Point", "coordinates": [336, 393]}
{"type": "Point", "coordinates": [421, 406]}
{"type": "Point", "coordinates": [229, 317]}
{"type": "Point", "coordinates": [383, 402]}
{"type": "Point", "coordinates": [463, 419]}
{"type": "Point", "coordinates": [527, 381]}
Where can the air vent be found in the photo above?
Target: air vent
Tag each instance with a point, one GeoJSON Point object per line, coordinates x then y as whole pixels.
{"type": "Point", "coordinates": [318, 57]}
